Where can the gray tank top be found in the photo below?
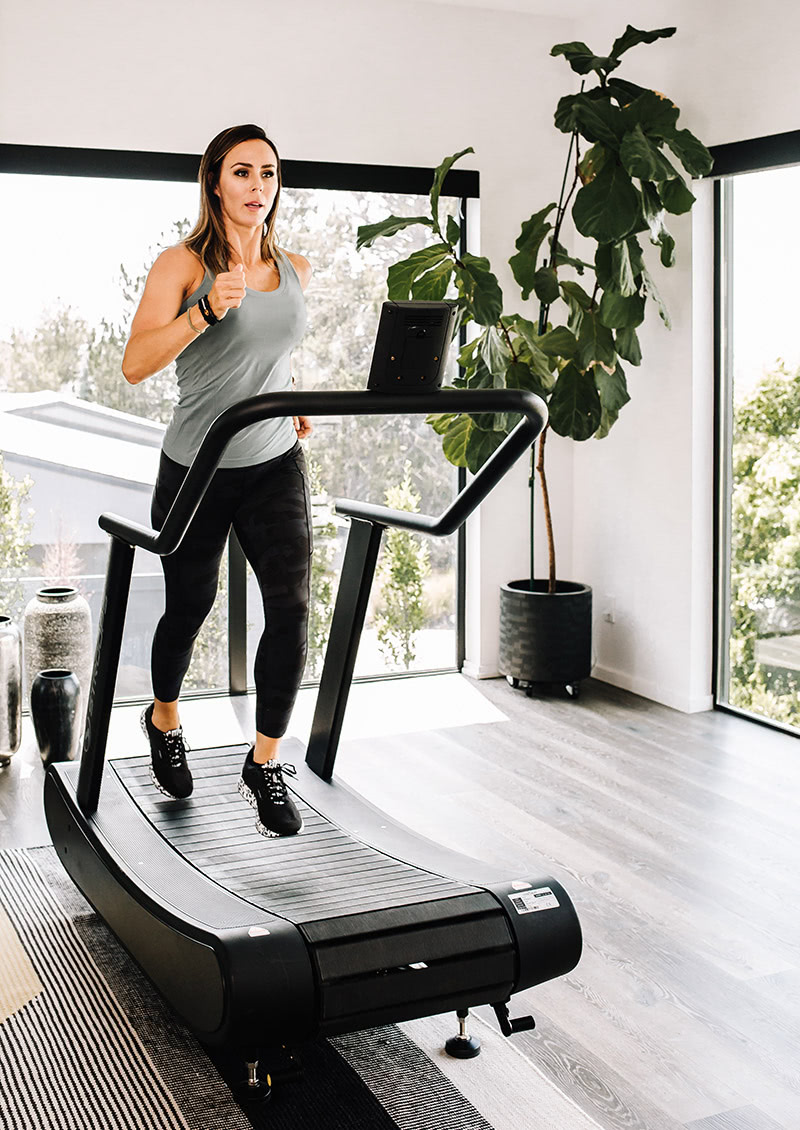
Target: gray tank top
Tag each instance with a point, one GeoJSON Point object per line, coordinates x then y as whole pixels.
{"type": "Point", "coordinates": [246, 354]}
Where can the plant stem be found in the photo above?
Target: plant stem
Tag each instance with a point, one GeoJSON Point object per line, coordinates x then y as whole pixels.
{"type": "Point", "coordinates": [548, 520]}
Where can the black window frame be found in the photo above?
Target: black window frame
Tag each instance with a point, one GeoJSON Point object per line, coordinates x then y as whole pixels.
{"type": "Point", "coordinates": [463, 184]}
{"type": "Point", "coordinates": [753, 155]}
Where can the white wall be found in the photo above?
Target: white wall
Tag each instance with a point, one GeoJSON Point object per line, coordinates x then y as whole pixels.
{"type": "Point", "coordinates": [401, 82]}
{"type": "Point", "coordinates": [642, 504]}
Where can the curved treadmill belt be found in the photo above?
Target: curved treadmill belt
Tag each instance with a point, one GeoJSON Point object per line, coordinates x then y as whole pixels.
{"type": "Point", "coordinates": [324, 872]}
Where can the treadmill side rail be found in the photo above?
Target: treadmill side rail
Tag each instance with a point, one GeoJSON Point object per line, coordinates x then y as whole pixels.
{"type": "Point", "coordinates": [236, 981]}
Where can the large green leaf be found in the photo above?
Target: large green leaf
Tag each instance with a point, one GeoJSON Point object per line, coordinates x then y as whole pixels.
{"type": "Point", "coordinates": [534, 230]}
{"type": "Point", "coordinates": [495, 353]}
{"type": "Point", "coordinates": [574, 406]}
{"type": "Point", "coordinates": [608, 207]}
{"type": "Point", "coordinates": [632, 36]}
{"type": "Point", "coordinates": [642, 159]}
{"type": "Point", "coordinates": [595, 344]}
{"type": "Point", "coordinates": [625, 92]}
{"type": "Point", "coordinates": [432, 286]}
{"type": "Point", "coordinates": [481, 376]}
{"type": "Point", "coordinates": [622, 269]}
{"type": "Point", "coordinates": [667, 249]}
{"type": "Point", "coordinates": [545, 284]}
{"type": "Point", "coordinates": [654, 216]}
{"type": "Point", "coordinates": [480, 445]}
{"type": "Point", "coordinates": [617, 311]}
{"type": "Point", "coordinates": [441, 421]}
{"type": "Point", "coordinates": [574, 290]}
{"type": "Point", "coordinates": [559, 342]}
{"type": "Point", "coordinates": [453, 231]}
{"type": "Point", "coordinates": [650, 289]}
{"type": "Point", "coordinates": [564, 117]}
{"type": "Point", "coordinates": [675, 196]}
{"type": "Point", "coordinates": [578, 301]}
{"type": "Point", "coordinates": [520, 375]}
{"type": "Point", "coordinates": [655, 113]}
{"type": "Point", "coordinates": [691, 153]}
{"type": "Point", "coordinates": [479, 289]}
{"type": "Point", "coordinates": [531, 352]}
{"type": "Point", "coordinates": [528, 243]}
{"type": "Point", "coordinates": [466, 355]}
{"type": "Point", "coordinates": [627, 345]}
{"type": "Point", "coordinates": [564, 259]}
{"type": "Point", "coordinates": [635, 253]}
{"type": "Point", "coordinates": [438, 180]}
{"type": "Point", "coordinates": [603, 267]}
{"type": "Point", "coordinates": [592, 162]}
{"type": "Point", "coordinates": [582, 59]}
{"type": "Point", "coordinates": [455, 439]}
{"type": "Point", "coordinates": [368, 233]}
{"type": "Point", "coordinates": [652, 209]}
{"type": "Point", "coordinates": [613, 391]}
{"type": "Point", "coordinates": [401, 275]}
{"type": "Point", "coordinates": [599, 122]}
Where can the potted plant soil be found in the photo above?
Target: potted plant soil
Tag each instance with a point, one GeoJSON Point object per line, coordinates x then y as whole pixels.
{"type": "Point", "coordinates": [618, 184]}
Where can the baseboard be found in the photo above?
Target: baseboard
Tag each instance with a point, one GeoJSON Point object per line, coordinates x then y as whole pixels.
{"type": "Point", "coordinates": [477, 671]}
{"type": "Point", "coordinates": [647, 688]}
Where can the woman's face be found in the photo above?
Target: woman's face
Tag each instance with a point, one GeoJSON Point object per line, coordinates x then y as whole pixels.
{"type": "Point", "coordinates": [248, 182]}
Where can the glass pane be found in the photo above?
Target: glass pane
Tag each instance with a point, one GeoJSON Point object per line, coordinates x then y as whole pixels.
{"type": "Point", "coordinates": [76, 438]}
{"type": "Point", "coordinates": [411, 620]}
{"type": "Point", "coordinates": [763, 648]}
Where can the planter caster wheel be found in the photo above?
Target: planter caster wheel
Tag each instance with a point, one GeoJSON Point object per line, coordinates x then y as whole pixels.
{"type": "Point", "coordinates": [512, 681]}
{"type": "Point", "coordinates": [574, 690]}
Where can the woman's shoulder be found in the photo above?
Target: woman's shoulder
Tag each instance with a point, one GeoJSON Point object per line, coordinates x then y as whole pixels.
{"type": "Point", "coordinates": [183, 266]}
{"type": "Point", "coordinates": [301, 265]}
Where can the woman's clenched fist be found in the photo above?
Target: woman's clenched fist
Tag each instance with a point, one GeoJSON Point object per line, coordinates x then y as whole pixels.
{"type": "Point", "coordinates": [228, 290]}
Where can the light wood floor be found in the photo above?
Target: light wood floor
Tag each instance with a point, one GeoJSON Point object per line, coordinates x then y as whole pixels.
{"type": "Point", "coordinates": [676, 836]}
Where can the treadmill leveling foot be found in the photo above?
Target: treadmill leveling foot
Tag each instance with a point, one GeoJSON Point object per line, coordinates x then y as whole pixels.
{"type": "Point", "coordinates": [463, 1046]}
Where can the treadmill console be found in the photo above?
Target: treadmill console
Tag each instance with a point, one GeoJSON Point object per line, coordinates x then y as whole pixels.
{"type": "Point", "coordinates": [411, 346]}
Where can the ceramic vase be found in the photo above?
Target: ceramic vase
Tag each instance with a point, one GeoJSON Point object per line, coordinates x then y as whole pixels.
{"type": "Point", "coordinates": [55, 710]}
{"type": "Point", "coordinates": [10, 689]}
{"type": "Point", "coordinates": [57, 633]}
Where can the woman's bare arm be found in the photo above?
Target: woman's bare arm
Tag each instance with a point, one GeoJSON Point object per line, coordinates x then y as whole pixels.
{"type": "Point", "coordinates": [158, 335]}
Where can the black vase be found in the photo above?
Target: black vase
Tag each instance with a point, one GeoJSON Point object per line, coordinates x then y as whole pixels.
{"type": "Point", "coordinates": [55, 705]}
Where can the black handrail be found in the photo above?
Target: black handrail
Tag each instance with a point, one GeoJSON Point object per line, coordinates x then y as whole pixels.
{"type": "Point", "coordinates": [366, 403]}
{"type": "Point", "coordinates": [126, 535]}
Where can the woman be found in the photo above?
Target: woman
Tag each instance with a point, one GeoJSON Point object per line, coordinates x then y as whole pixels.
{"type": "Point", "coordinates": [228, 305]}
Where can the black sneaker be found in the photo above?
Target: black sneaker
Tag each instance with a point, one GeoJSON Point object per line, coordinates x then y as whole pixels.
{"type": "Point", "coordinates": [169, 771]}
{"type": "Point", "coordinates": [263, 787]}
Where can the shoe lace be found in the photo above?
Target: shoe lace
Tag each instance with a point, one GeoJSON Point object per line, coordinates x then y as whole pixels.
{"type": "Point", "coordinates": [176, 747]}
{"type": "Point", "coordinates": [273, 780]}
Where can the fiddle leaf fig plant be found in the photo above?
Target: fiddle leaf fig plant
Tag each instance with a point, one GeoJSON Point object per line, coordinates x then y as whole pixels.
{"type": "Point", "coordinates": [621, 184]}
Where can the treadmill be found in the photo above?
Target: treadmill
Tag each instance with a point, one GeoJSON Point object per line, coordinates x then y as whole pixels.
{"type": "Point", "coordinates": [355, 922]}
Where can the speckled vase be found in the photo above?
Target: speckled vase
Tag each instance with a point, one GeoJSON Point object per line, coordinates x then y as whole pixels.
{"type": "Point", "coordinates": [57, 633]}
{"type": "Point", "coordinates": [10, 689]}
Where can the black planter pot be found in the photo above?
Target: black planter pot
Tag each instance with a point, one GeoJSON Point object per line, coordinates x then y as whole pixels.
{"type": "Point", "coordinates": [55, 702]}
{"type": "Point", "coordinates": [546, 637]}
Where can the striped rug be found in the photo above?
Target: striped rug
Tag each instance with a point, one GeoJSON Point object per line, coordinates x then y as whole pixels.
{"type": "Point", "coordinates": [97, 1049]}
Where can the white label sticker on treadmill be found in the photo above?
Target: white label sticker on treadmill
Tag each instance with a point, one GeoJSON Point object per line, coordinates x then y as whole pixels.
{"type": "Point", "coordinates": [542, 898]}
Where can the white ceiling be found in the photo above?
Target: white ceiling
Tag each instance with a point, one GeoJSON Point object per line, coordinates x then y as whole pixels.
{"type": "Point", "coordinates": [564, 9]}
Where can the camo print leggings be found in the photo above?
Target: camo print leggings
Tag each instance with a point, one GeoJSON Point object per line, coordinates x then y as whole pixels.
{"type": "Point", "coordinates": [269, 507]}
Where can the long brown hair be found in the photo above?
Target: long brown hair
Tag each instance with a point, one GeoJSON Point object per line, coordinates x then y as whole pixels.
{"type": "Point", "coordinates": [207, 239]}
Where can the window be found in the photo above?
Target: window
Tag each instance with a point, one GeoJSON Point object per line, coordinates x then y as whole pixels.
{"type": "Point", "coordinates": [758, 638]}
{"type": "Point", "coordinates": [77, 440]}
